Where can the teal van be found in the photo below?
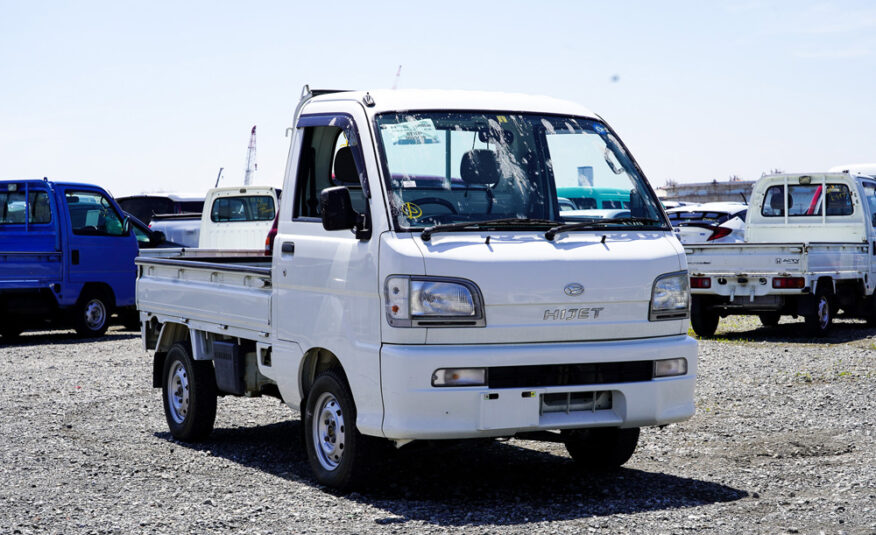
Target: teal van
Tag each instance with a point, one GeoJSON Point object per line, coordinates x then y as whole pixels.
{"type": "Point", "coordinates": [586, 198]}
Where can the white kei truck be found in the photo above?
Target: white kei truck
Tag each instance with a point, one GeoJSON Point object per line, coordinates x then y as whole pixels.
{"type": "Point", "coordinates": [809, 250]}
{"type": "Point", "coordinates": [424, 286]}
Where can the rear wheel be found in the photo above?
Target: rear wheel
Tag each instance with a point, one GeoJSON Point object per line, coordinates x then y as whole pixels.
{"type": "Point", "coordinates": [703, 320]}
{"type": "Point", "coordinates": [820, 317]}
{"type": "Point", "coordinates": [769, 319]}
{"type": "Point", "coordinates": [335, 449]}
{"type": "Point", "coordinates": [189, 392]}
{"type": "Point", "coordinates": [601, 449]}
{"type": "Point", "coordinates": [91, 314]}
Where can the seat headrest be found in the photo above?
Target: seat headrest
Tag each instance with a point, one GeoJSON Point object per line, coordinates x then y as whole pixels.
{"type": "Point", "coordinates": [345, 167]}
{"type": "Point", "coordinates": [479, 166]}
{"type": "Point", "coordinates": [777, 201]}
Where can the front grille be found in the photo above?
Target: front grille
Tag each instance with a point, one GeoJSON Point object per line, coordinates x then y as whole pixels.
{"type": "Point", "coordinates": [570, 374]}
{"type": "Point", "coordinates": [569, 402]}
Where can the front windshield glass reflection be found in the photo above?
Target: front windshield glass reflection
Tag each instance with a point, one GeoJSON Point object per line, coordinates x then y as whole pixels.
{"type": "Point", "coordinates": [456, 167]}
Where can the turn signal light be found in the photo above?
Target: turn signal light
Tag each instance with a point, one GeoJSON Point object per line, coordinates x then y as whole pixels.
{"type": "Point", "coordinates": [789, 282]}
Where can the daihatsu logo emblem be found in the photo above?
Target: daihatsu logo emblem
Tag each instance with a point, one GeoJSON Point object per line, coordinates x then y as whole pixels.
{"type": "Point", "coordinates": [573, 289]}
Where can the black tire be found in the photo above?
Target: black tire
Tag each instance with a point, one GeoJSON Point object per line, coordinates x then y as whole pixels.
{"type": "Point", "coordinates": [335, 449]}
{"type": "Point", "coordinates": [601, 449]}
{"type": "Point", "coordinates": [91, 314]}
{"type": "Point", "coordinates": [189, 393]}
{"type": "Point", "coordinates": [769, 319]}
{"type": "Point", "coordinates": [703, 321]}
{"type": "Point", "coordinates": [820, 318]}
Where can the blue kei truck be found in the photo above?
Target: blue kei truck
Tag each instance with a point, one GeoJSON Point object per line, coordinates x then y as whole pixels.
{"type": "Point", "coordinates": [66, 258]}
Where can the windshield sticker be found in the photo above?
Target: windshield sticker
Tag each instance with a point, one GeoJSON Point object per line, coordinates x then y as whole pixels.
{"type": "Point", "coordinates": [412, 132]}
{"type": "Point", "coordinates": [502, 118]}
{"type": "Point", "coordinates": [412, 211]}
{"type": "Point", "coordinates": [599, 129]}
{"type": "Point", "coordinates": [409, 183]}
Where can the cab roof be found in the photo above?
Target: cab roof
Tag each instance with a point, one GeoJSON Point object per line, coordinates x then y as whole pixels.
{"type": "Point", "coordinates": [388, 100]}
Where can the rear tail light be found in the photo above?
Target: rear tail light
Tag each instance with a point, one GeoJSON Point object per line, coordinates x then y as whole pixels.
{"type": "Point", "coordinates": [272, 234]}
{"type": "Point", "coordinates": [719, 232]}
{"type": "Point", "coordinates": [789, 282]}
{"type": "Point", "coordinates": [700, 282]}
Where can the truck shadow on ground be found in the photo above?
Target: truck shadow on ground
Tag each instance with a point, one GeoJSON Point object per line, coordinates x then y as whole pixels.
{"type": "Point", "coordinates": [64, 338]}
{"type": "Point", "coordinates": [842, 331]}
{"type": "Point", "coordinates": [472, 482]}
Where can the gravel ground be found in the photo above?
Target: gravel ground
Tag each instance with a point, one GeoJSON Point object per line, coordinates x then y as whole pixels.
{"type": "Point", "coordinates": [783, 442]}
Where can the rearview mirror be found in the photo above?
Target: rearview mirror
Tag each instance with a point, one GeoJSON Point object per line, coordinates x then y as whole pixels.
{"type": "Point", "coordinates": [126, 226]}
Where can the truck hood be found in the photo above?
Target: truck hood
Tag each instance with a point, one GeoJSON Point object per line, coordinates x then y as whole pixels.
{"type": "Point", "coordinates": [524, 280]}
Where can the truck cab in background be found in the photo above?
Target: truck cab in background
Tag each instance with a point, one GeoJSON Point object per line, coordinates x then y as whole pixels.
{"type": "Point", "coordinates": [237, 217]}
{"type": "Point", "coordinates": [66, 256]}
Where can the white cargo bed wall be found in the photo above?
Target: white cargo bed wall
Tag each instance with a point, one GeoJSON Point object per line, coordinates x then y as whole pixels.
{"type": "Point", "coordinates": [232, 299]}
{"type": "Point", "coordinates": [841, 260]}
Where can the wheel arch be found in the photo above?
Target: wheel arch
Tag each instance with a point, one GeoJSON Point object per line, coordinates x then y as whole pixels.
{"type": "Point", "coordinates": [170, 334]}
{"type": "Point", "coordinates": [315, 361]}
{"type": "Point", "coordinates": [100, 288]}
{"type": "Point", "coordinates": [825, 283]}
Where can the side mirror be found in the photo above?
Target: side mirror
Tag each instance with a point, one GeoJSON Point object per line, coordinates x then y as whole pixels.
{"type": "Point", "coordinates": [637, 204]}
{"type": "Point", "coordinates": [336, 209]}
{"type": "Point", "coordinates": [157, 237]}
{"type": "Point", "coordinates": [873, 220]}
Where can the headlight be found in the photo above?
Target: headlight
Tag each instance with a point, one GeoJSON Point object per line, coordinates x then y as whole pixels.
{"type": "Point", "coordinates": [432, 302]}
{"type": "Point", "coordinates": [669, 297]}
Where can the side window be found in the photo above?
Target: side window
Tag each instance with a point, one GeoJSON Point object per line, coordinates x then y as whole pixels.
{"type": "Point", "coordinates": [870, 199]}
{"type": "Point", "coordinates": [92, 214]}
{"type": "Point", "coordinates": [326, 160]}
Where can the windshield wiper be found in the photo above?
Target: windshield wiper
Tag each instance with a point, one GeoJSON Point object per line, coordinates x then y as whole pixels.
{"type": "Point", "coordinates": [476, 225]}
{"type": "Point", "coordinates": [549, 235]}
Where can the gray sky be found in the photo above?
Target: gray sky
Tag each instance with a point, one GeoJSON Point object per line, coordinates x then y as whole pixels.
{"type": "Point", "coordinates": [158, 95]}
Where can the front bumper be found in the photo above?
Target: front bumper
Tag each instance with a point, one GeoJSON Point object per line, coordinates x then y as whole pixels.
{"type": "Point", "coordinates": [414, 409]}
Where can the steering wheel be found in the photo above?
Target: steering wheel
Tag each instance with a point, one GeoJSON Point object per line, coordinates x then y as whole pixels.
{"type": "Point", "coordinates": [436, 200]}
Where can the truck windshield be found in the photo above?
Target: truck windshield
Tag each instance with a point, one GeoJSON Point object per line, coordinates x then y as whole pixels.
{"type": "Point", "coordinates": [456, 167]}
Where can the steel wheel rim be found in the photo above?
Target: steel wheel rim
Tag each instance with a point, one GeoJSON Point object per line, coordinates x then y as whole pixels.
{"type": "Point", "coordinates": [329, 432]}
{"type": "Point", "coordinates": [823, 313]}
{"type": "Point", "coordinates": [95, 314]}
{"type": "Point", "coordinates": [178, 392]}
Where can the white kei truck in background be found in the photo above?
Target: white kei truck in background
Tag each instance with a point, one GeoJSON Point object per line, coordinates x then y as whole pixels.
{"type": "Point", "coordinates": [809, 250]}
{"type": "Point", "coordinates": [237, 217]}
{"type": "Point", "coordinates": [233, 217]}
{"type": "Point", "coordinates": [424, 286]}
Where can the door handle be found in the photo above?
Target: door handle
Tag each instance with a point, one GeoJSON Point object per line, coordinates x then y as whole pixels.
{"type": "Point", "coordinates": [288, 247]}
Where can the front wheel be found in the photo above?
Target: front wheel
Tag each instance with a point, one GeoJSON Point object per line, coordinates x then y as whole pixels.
{"type": "Point", "coordinates": [703, 320]}
{"type": "Point", "coordinates": [601, 449]}
{"type": "Point", "coordinates": [91, 315]}
{"type": "Point", "coordinates": [189, 392]}
{"type": "Point", "coordinates": [820, 317]}
{"type": "Point", "coordinates": [334, 446]}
